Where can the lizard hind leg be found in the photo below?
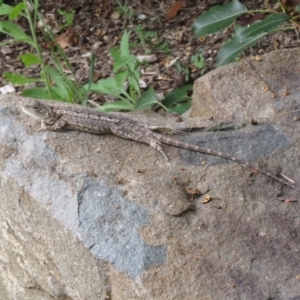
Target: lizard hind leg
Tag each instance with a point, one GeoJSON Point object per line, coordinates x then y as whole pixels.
{"type": "Point", "coordinates": [165, 130]}
{"type": "Point", "coordinates": [139, 138]}
{"type": "Point", "coordinates": [156, 145]}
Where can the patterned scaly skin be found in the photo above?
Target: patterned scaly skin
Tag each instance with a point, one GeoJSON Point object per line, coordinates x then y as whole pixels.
{"type": "Point", "coordinates": [56, 116]}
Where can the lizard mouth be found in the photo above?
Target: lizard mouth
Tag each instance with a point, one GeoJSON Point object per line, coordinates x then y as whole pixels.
{"type": "Point", "coordinates": [32, 114]}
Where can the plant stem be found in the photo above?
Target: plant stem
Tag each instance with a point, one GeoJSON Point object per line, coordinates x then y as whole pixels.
{"type": "Point", "coordinates": [37, 47]}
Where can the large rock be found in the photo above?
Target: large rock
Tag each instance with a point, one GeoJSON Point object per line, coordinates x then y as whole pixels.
{"type": "Point", "coordinates": [98, 217]}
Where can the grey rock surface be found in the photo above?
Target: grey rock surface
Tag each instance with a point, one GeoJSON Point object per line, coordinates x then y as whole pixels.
{"type": "Point", "coordinates": [250, 89]}
{"type": "Point", "coordinates": [98, 217]}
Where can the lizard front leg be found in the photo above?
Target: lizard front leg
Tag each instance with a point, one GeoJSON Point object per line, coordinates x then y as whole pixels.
{"type": "Point", "coordinates": [57, 125]}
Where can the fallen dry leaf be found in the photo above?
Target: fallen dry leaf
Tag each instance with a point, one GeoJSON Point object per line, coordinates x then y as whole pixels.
{"type": "Point", "coordinates": [67, 39]}
{"type": "Point", "coordinates": [173, 11]}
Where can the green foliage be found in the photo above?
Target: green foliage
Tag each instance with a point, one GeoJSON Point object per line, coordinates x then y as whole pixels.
{"type": "Point", "coordinates": [199, 61]}
{"type": "Point", "coordinates": [125, 10]}
{"type": "Point", "coordinates": [15, 32]}
{"type": "Point", "coordinates": [218, 18]}
{"type": "Point", "coordinates": [184, 70]}
{"type": "Point", "coordinates": [69, 17]}
{"type": "Point", "coordinates": [246, 36]}
{"type": "Point", "coordinates": [126, 70]}
{"type": "Point", "coordinates": [150, 39]}
{"type": "Point", "coordinates": [178, 100]}
{"type": "Point", "coordinates": [57, 85]}
{"type": "Point", "coordinates": [222, 16]}
{"type": "Point", "coordinates": [125, 85]}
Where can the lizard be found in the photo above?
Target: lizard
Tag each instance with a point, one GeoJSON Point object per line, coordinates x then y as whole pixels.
{"type": "Point", "coordinates": [57, 116]}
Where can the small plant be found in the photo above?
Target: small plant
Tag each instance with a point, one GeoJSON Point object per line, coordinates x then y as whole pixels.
{"type": "Point", "coordinates": [221, 16]}
{"type": "Point", "coordinates": [69, 17]}
{"type": "Point", "coordinates": [149, 39]}
{"type": "Point", "coordinates": [125, 10]}
{"type": "Point", "coordinates": [199, 61]}
{"type": "Point", "coordinates": [125, 85]}
{"type": "Point", "coordinates": [182, 70]}
{"type": "Point", "coordinates": [57, 85]}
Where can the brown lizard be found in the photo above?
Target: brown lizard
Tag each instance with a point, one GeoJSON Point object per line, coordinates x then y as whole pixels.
{"type": "Point", "coordinates": [56, 116]}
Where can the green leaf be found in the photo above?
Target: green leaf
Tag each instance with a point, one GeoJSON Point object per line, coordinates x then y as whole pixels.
{"type": "Point", "coordinates": [124, 46]}
{"type": "Point", "coordinates": [128, 62]}
{"type": "Point", "coordinates": [218, 18]}
{"type": "Point", "coordinates": [147, 99]}
{"type": "Point", "coordinates": [37, 93]}
{"type": "Point", "coordinates": [30, 59]}
{"type": "Point", "coordinates": [116, 106]}
{"type": "Point", "coordinates": [106, 86]}
{"type": "Point", "coordinates": [180, 108]}
{"type": "Point", "coordinates": [20, 79]}
{"type": "Point", "coordinates": [198, 60]}
{"type": "Point", "coordinates": [247, 36]}
{"type": "Point", "coordinates": [120, 78]}
{"type": "Point", "coordinates": [16, 32]}
{"type": "Point", "coordinates": [16, 11]}
{"type": "Point", "coordinates": [60, 83]}
{"type": "Point", "coordinates": [115, 53]}
{"type": "Point", "coordinates": [5, 9]}
{"type": "Point", "coordinates": [134, 83]}
{"type": "Point", "coordinates": [91, 74]}
{"type": "Point", "coordinates": [42, 93]}
{"type": "Point", "coordinates": [177, 95]}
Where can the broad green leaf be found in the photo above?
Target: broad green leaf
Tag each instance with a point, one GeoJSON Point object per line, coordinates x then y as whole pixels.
{"type": "Point", "coordinates": [180, 108]}
{"type": "Point", "coordinates": [116, 106]}
{"type": "Point", "coordinates": [134, 85]}
{"type": "Point", "coordinates": [128, 62]}
{"type": "Point", "coordinates": [59, 81]}
{"type": "Point", "coordinates": [106, 86]}
{"type": "Point", "coordinates": [124, 46]}
{"type": "Point", "coordinates": [147, 99]}
{"type": "Point", "coordinates": [120, 78]}
{"type": "Point", "coordinates": [218, 18]}
{"type": "Point", "coordinates": [37, 93]}
{"type": "Point", "coordinates": [247, 36]}
{"type": "Point", "coordinates": [269, 24]}
{"type": "Point", "coordinates": [42, 93]}
{"type": "Point", "coordinates": [20, 79]}
{"type": "Point", "coordinates": [115, 53]}
{"type": "Point", "coordinates": [177, 95]}
{"type": "Point", "coordinates": [5, 9]}
{"type": "Point", "coordinates": [16, 11]}
{"type": "Point", "coordinates": [16, 32]}
{"type": "Point", "coordinates": [229, 51]}
{"type": "Point", "coordinates": [30, 59]}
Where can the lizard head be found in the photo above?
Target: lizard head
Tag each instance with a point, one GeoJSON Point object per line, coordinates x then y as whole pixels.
{"type": "Point", "coordinates": [39, 111]}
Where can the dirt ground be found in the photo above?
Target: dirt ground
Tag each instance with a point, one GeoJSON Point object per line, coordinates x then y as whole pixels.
{"type": "Point", "coordinates": [98, 26]}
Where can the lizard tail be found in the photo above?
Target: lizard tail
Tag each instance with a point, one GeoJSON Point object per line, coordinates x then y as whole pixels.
{"type": "Point", "coordinates": [169, 141]}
